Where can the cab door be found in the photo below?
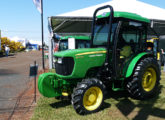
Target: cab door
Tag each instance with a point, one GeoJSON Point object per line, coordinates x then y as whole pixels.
{"type": "Point", "coordinates": [130, 41]}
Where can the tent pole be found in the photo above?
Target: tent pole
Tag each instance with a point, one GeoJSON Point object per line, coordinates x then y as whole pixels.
{"type": "Point", "coordinates": [152, 23]}
{"type": "Point", "coordinates": [42, 29]}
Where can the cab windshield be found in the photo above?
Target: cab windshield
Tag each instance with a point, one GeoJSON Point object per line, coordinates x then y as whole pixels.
{"type": "Point", "coordinates": [63, 45]}
{"type": "Point", "coordinates": [101, 32]}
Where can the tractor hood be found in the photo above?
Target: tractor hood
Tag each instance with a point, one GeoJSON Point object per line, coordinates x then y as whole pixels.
{"type": "Point", "coordinates": [80, 52]}
{"type": "Point", "coordinates": [83, 60]}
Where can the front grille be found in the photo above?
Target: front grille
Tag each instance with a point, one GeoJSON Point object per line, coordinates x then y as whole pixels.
{"type": "Point", "coordinates": [66, 67]}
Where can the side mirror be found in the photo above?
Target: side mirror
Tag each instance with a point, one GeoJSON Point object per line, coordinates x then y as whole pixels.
{"type": "Point", "coordinates": [71, 43]}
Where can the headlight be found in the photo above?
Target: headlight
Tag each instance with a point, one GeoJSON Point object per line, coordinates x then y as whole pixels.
{"type": "Point", "coordinates": [59, 60]}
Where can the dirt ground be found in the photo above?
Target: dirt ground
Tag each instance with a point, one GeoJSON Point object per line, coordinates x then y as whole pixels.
{"type": "Point", "coordinates": [16, 87]}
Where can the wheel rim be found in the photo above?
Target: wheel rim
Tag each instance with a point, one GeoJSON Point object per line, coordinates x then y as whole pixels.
{"type": "Point", "coordinates": [149, 79]}
{"type": "Point", "coordinates": [92, 98]}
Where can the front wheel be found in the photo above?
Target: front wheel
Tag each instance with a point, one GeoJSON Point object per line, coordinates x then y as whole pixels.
{"type": "Point", "coordinates": [88, 96]}
{"type": "Point", "coordinates": [145, 79]}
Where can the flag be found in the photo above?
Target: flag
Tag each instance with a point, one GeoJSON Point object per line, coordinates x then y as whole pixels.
{"type": "Point", "coordinates": [38, 5]}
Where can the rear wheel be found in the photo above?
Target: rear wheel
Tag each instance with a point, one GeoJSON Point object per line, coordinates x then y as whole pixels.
{"type": "Point", "coordinates": [88, 96]}
{"type": "Point", "coordinates": [145, 79]}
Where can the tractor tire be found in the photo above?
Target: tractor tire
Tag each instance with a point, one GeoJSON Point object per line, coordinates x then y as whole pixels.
{"type": "Point", "coordinates": [88, 96]}
{"type": "Point", "coordinates": [63, 98]}
{"type": "Point", "coordinates": [58, 98]}
{"type": "Point", "coordinates": [145, 79]}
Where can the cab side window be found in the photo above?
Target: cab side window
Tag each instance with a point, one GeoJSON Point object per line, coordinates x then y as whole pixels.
{"type": "Point", "coordinates": [133, 35]}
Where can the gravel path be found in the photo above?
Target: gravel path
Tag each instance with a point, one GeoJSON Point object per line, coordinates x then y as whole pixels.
{"type": "Point", "coordinates": [14, 76]}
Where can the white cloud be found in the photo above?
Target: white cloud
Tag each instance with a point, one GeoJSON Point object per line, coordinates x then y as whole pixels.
{"type": "Point", "coordinates": [24, 40]}
{"type": "Point", "coordinates": [16, 39]}
{"type": "Point", "coordinates": [35, 42]}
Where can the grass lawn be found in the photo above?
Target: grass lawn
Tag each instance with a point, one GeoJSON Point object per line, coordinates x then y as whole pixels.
{"type": "Point", "coordinates": [118, 106]}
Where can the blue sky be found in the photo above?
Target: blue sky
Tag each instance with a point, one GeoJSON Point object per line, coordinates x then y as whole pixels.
{"type": "Point", "coordinates": [20, 17]}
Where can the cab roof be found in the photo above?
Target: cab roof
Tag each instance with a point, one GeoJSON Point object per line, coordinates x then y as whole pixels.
{"type": "Point", "coordinates": [76, 37]}
{"type": "Point", "coordinates": [127, 15]}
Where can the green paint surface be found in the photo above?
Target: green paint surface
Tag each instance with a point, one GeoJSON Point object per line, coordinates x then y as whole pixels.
{"type": "Point", "coordinates": [84, 59]}
{"type": "Point", "coordinates": [133, 63]}
{"type": "Point", "coordinates": [128, 15]}
{"type": "Point", "coordinates": [50, 85]}
{"type": "Point", "coordinates": [76, 37]}
{"type": "Point", "coordinates": [45, 84]}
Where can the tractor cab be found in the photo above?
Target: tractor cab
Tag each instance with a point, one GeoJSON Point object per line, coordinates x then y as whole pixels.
{"type": "Point", "coordinates": [73, 42]}
{"type": "Point", "coordinates": [124, 35]}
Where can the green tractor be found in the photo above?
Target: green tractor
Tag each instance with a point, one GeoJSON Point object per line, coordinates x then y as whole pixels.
{"type": "Point", "coordinates": [73, 42]}
{"type": "Point", "coordinates": [117, 58]}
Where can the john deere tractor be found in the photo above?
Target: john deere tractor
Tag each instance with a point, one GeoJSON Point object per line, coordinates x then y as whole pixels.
{"type": "Point", "coordinates": [118, 58]}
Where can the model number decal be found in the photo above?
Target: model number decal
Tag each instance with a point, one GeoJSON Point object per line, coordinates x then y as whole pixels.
{"type": "Point", "coordinates": [87, 53]}
{"type": "Point", "coordinates": [97, 55]}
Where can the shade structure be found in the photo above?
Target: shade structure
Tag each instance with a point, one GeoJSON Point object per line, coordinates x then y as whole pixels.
{"type": "Point", "coordinates": [79, 21]}
{"type": "Point", "coordinates": [133, 6]}
{"type": "Point", "coordinates": [71, 25]}
{"type": "Point", "coordinates": [159, 26]}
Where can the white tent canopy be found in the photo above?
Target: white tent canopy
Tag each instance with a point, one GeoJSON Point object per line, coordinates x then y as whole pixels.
{"type": "Point", "coordinates": [133, 6]}
{"type": "Point", "coordinates": [67, 23]}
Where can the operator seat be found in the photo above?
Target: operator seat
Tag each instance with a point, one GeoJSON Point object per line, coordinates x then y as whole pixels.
{"type": "Point", "coordinates": [126, 49]}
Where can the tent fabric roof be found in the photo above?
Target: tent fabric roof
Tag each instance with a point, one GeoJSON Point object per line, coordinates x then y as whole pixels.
{"type": "Point", "coordinates": [71, 25]}
{"type": "Point", "coordinates": [159, 26]}
{"type": "Point", "coordinates": [133, 6]}
{"type": "Point", "coordinates": [79, 22]}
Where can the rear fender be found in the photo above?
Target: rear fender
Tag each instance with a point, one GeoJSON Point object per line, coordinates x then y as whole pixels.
{"type": "Point", "coordinates": [133, 63]}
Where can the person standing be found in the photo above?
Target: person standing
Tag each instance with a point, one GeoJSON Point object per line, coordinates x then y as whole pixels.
{"type": "Point", "coordinates": [163, 55]}
{"type": "Point", "coordinates": [7, 50]}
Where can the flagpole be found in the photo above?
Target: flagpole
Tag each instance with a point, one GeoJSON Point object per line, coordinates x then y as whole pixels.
{"type": "Point", "coordinates": [42, 35]}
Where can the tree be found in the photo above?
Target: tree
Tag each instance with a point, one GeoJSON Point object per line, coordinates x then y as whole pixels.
{"type": "Point", "coordinates": [14, 46]}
